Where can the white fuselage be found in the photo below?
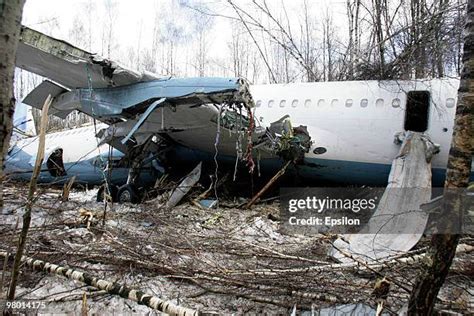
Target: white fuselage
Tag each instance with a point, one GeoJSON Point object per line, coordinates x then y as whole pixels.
{"type": "Point", "coordinates": [357, 120]}
{"type": "Point", "coordinates": [354, 122]}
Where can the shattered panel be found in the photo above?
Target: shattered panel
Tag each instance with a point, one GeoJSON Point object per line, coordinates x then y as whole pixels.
{"type": "Point", "coordinates": [38, 96]}
{"type": "Point", "coordinates": [71, 66]}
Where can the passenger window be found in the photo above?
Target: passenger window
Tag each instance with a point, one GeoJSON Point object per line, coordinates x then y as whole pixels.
{"type": "Point", "coordinates": [335, 102]}
{"type": "Point", "coordinates": [282, 103]}
{"type": "Point", "coordinates": [396, 103]}
{"type": "Point", "coordinates": [364, 103]}
{"type": "Point", "coordinates": [294, 103]}
{"type": "Point", "coordinates": [450, 103]}
{"type": "Point", "coordinates": [379, 103]}
{"type": "Point", "coordinates": [270, 103]}
{"type": "Point", "coordinates": [258, 104]}
{"type": "Point", "coordinates": [321, 103]}
{"type": "Point", "coordinates": [349, 103]}
{"type": "Point", "coordinates": [307, 103]}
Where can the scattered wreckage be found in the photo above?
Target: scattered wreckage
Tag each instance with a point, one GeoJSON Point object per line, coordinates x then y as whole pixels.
{"type": "Point", "coordinates": [147, 117]}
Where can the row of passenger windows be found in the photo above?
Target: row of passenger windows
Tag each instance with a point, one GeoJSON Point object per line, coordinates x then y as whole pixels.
{"type": "Point", "coordinates": [450, 102]}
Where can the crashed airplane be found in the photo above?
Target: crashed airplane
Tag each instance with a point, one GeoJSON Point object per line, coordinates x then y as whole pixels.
{"type": "Point", "coordinates": [145, 115]}
{"type": "Point", "coordinates": [346, 131]}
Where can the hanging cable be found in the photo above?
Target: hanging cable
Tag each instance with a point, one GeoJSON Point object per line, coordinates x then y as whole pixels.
{"type": "Point", "coordinates": [216, 143]}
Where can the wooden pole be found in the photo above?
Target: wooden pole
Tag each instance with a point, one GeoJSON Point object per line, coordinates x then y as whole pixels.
{"type": "Point", "coordinates": [67, 189]}
{"type": "Point", "coordinates": [30, 201]}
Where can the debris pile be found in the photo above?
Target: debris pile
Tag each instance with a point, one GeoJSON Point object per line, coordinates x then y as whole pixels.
{"type": "Point", "coordinates": [220, 259]}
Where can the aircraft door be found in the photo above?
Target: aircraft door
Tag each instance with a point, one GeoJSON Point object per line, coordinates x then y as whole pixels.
{"type": "Point", "coordinates": [417, 111]}
{"type": "Point", "coordinates": [55, 163]}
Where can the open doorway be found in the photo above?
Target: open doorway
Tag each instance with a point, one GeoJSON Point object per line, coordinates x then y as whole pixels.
{"type": "Point", "coordinates": [55, 163]}
{"type": "Point", "coordinates": [417, 111]}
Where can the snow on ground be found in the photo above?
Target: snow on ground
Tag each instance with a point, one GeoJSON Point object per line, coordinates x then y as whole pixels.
{"type": "Point", "coordinates": [223, 260]}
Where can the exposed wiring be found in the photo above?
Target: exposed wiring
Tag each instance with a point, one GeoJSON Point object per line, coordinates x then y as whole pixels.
{"type": "Point", "coordinates": [216, 143]}
{"type": "Point", "coordinates": [238, 144]}
{"type": "Point", "coordinates": [248, 153]}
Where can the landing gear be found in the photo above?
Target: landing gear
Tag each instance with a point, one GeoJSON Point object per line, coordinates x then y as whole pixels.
{"type": "Point", "coordinates": [137, 157]}
{"type": "Point", "coordinates": [128, 193]}
{"type": "Point", "coordinates": [102, 192]}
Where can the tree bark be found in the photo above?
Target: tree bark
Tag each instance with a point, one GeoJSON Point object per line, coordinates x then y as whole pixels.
{"type": "Point", "coordinates": [379, 37]}
{"type": "Point", "coordinates": [142, 298]}
{"type": "Point", "coordinates": [10, 25]}
{"type": "Point", "coordinates": [443, 246]}
{"type": "Point", "coordinates": [419, 33]}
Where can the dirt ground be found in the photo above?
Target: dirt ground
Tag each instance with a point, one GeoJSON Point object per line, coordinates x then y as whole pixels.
{"type": "Point", "coordinates": [224, 260]}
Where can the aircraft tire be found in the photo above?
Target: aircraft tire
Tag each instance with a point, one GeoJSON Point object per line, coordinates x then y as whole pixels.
{"type": "Point", "coordinates": [128, 193]}
{"type": "Point", "coordinates": [100, 193]}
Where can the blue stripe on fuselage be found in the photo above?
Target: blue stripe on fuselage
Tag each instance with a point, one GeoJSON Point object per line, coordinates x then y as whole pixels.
{"type": "Point", "coordinates": [320, 170]}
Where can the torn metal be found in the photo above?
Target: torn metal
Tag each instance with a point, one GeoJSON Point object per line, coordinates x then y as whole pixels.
{"type": "Point", "coordinates": [71, 66]}
{"type": "Point", "coordinates": [398, 223]}
{"type": "Point", "coordinates": [147, 114]}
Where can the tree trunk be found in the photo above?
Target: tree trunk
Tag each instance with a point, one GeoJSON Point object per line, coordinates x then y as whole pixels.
{"type": "Point", "coordinates": [443, 246]}
{"type": "Point", "coordinates": [10, 24]}
{"type": "Point", "coordinates": [379, 37]}
{"type": "Point", "coordinates": [350, 49]}
{"type": "Point", "coordinates": [419, 33]}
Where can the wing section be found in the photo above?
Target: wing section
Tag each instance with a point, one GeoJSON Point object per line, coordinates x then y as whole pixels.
{"type": "Point", "coordinates": [39, 94]}
{"type": "Point", "coordinates": [70, 66]}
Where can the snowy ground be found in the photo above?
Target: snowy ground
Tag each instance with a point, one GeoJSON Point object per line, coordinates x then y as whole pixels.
{"type": "Point", "coordinates": [226, 260]}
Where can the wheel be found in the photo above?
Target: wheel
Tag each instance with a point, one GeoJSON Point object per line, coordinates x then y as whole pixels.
{"type": "Point", "coordinates": [128, 194]}
{"type": "Point", "coordinates": [101, 192]}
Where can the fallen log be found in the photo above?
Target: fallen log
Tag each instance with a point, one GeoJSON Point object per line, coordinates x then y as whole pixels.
{"type": "Point", "coordinates": [358, 266]}
{"type": "Point", "coordinates": [111, 288]}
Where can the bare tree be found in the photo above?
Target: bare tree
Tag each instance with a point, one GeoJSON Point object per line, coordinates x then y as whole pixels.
{"type": "Point", "coordinates": [443, 246]}
{"type": "Point", "coordinates": [307, 43]}
{"type": "Point", "coordinates": [201, 35]}
{"type": "Point", "coordinates": [240, 51]}
{"type": "Point", "coordinates": [108, 36]}
{"type": "Point", "coordinates": [77, 33]}
{"type": "Point", "coordinates": [276, 29]}
{"type": "Point", "coordinates": [379, 35]}
{"type": "Point", "coordinates": [89, 8]}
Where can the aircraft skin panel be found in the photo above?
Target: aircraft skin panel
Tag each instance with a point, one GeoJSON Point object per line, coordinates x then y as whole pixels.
{"type": "Point", "coordinates": [127, 101]}
{"type": "Point", "coordinates": [68, 141]}
{"type": "Point", "coordinates": [359, 131]}
{"type": "Point", "coordinates": [350, 135]}
{"type": "Point", "coordinates": [38, 96]}
{"type": "Point", "coordinates": [82, 157]}
{"type": "Point", "coordinates": [71, 66]}
{"type": "Point", "coordinates": [321, 171]}
{"type": "Point", "coordinates": [84, 173]}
